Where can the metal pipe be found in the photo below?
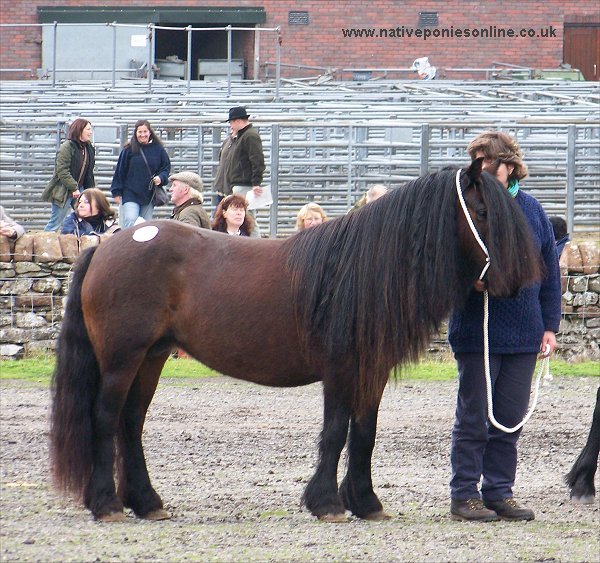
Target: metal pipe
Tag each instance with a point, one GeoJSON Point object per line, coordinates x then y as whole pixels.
{"type": "Point", "coordinates": [150, 57]}
{"type": "Point", "coordinates": [278, 67]}
{"type": "Point", "coordinates": [571, 151]}
{"type": "Point", "coordinates": [55, 25]}
{"type": "Point", "coordinates": [274, 211]}
{"type": "Point", "coordinates": [256, 54]}
{"type": "Point", "coordinates": [189, 57]}
{"type": "Point", "coordinates": [114, 59]}
{"type": "Point", "coordinates": [229, 61]}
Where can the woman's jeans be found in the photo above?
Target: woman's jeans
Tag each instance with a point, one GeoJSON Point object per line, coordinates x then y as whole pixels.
{"type": "Point", "coordinates": [58, 214]}
{"type": "Point", "coordinates": [130, 211]}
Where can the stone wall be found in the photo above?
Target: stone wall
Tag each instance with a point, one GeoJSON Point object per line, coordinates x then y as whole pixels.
{"type": "Point", "coordinates": [34, 279]}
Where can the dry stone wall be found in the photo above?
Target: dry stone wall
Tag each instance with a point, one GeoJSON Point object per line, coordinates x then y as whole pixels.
{"type": "Point", "coordinates": [34, 281]}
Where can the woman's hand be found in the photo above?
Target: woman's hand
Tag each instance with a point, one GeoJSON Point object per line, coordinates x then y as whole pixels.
{"type": "Point", "coordinates": [257, 190]}
{"type": "Point", "coordinates": [117, 199]}
{"type": "Point", "coordinates": [8, 231]}
{"type": "Point", "coordinates": [480, 286]}
{"type": "Point", "coordinates": [156, 180]}
{"type": "Point", "coordinates": [548, 344]}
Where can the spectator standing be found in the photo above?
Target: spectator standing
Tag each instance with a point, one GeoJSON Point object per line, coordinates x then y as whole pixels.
{"type": "Point", "coordinates": [92, 215]}
{"type": "Point", "coordinates": [519, 328]}
{"type": "Point", "coordinates": [373, 193]}
{"type": "Point", "coordinates": [310, 215]}
{"type": "Point", "coordinates": [186, 194]}
{"type": "Point", "coordinates": [142, 165]}
{"type": "Point", "coordinates": [73, 172]}
{"type": "Point", "coordinates": [242, 161]}
{"type": "Point", "coordinates": [232, 217]}
{"type": "Point", "coordinates": [9, 227]}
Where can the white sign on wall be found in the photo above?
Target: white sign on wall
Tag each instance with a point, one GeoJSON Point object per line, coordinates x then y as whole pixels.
{"type": "Point", "coordinates": [138, 40]}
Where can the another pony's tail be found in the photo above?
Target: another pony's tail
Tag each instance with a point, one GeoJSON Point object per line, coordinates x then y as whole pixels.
{"type": "Point", "coordinates": [74, 387]}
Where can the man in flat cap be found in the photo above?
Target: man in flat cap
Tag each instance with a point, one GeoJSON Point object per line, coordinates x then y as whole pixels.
{"type": "Point", "coordinates": [241, 158]}
{"type": "Point", "coordinates": [186, 195]}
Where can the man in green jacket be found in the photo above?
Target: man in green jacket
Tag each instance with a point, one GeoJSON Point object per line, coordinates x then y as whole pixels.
{"type": "Point", "coordinates": [186, 194]}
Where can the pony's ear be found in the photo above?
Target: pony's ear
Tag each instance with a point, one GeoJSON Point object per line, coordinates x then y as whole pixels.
{"type": "Point", "coordinates": [474, 170]}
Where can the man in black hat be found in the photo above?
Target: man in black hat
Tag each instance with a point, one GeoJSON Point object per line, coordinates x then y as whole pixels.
{"type": "Point", "coordinates": [241, 158]}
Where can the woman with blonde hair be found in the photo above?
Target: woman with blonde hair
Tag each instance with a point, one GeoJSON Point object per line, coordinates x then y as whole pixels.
{"type": "Point", "coordinates": [232, 217]}
{"type": "Point", "coordinates": [310, 215]}
{"type": "Point", "coordinates": [92, 215]}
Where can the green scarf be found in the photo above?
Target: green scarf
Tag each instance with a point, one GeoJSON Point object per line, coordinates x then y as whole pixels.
{"type": "Point", "coordinates": [513, 187]}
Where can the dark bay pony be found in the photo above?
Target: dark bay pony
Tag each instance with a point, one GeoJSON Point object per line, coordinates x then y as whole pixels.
{"type": "Point", "coordinates": [342, 303]}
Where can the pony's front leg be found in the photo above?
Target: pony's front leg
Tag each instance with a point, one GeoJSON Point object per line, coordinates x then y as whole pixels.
{"type": "Point", "coordinates": [321, 495]}
{"type": "Point", "coordinates": [356, 489]}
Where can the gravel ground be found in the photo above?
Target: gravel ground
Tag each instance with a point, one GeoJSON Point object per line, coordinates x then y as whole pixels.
{"type": "Point", "coordinates": [231, 459]}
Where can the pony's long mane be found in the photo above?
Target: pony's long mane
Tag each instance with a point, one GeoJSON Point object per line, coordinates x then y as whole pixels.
{"type": "Point", "coordinates": [371, 287]}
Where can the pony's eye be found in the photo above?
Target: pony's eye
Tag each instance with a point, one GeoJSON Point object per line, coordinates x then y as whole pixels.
{"type": "Point", "coordinates": [481, 213]}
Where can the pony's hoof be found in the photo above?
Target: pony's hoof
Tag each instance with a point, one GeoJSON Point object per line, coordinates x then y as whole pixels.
{"type": "Point", "coordinates": [112, 517]}
{"type": "Point", "coordinates": [378, 516]}
{"type": "Point", "coordinates": [585, 499]}
{"type": "Point", "coordinates": [334, 518]}
{"type": "Point", "coordinates": [158, 514]}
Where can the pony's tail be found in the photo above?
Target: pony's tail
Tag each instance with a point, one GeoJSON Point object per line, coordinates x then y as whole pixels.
{"type": "Point", "coordinates": [74, 388]}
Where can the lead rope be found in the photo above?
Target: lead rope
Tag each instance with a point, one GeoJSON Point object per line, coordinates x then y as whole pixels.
{"type": "Point", "coordinates": [544, 364]}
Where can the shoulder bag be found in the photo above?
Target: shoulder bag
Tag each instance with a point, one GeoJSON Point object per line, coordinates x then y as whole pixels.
{"type": "Point", "coordinates": [160, 196]}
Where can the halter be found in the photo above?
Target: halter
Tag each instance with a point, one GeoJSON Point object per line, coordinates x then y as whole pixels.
{"type": "Point", "coordinates": [544, 364]}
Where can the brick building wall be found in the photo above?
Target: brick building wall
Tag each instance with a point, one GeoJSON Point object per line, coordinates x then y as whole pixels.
{"type": "Point", "coordinates": [321, 43]}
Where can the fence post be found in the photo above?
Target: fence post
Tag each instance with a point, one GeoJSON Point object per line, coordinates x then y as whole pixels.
{"type": "Point", "coordinates": [424, 164]}
{"type": "Point", "coordinates": [274, 180]}
{"type": "Point", "coordinates": [55, 25]}
{"type": "Point", "coordinates": [278, 63]}
{"type": "Point", "coordinates": [228, 61]}
{"type": "Point", "coordinates": [189, 57]}
{"type": "Point", "coordinates": [114, 58]}
{"type": "Point", "coordinates": [256, 53]}
{"type": "Point", "coordinates": [150, 67]}
{"type": "Point", "coordinates": [571, 150]}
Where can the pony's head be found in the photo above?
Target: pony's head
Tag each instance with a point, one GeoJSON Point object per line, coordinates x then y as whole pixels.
{"type": "Point", "coordinates": [502, 229]}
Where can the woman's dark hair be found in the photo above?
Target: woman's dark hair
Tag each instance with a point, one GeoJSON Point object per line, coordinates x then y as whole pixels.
{"type": "Point", "coordinates": [76, 128]}
{"type": "Point", "coordinates": [95, 196]}
{"type": "Point", "coordinates": [134, 143]}
{"type": "Point", "coordinates": [220, 224]}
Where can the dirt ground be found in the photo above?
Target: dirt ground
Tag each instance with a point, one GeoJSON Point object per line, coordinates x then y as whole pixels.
{"type": "Point", "coordinates": [231, 459]}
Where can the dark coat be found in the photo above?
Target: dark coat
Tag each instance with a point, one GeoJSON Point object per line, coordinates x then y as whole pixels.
{"type": "Point", "coordinates": [245, 161]}
{"type": "Point", "coordinates": [132, 177]}
{"type": "Point", "coordinates": [67, 172]}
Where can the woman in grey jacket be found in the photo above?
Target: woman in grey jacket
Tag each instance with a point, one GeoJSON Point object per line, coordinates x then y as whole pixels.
{"type": "Point", "coordinates": [73, 172]}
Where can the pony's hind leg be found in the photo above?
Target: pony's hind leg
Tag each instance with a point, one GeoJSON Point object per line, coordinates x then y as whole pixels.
{"type": "Point", "coordinates": [100, 494]}
{"type": "Point", "coordinates": [356, 489]}
{"type": "Point", "coordinates": [321, 495]}
{"type": "Point", "coordinates": [135, 488]}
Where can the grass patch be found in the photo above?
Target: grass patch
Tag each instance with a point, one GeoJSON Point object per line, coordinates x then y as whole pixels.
{"type": "Point", "coordinates": [40, 369]}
